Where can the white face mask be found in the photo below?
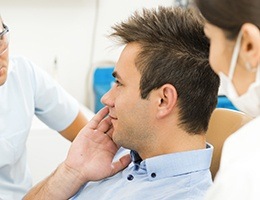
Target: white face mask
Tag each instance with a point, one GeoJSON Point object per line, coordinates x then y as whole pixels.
{"type": "Point", "coordinates": [249, 102]}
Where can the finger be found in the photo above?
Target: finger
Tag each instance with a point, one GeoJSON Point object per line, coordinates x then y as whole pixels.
{"type": "Point", "coordinates": [105, 125]}
{"type": "Point", "coordinates": [110, 132]}
{"type": "Point", "coordinates": [121, 164]}
{"type": "Point", "coordinates": [94, 122]}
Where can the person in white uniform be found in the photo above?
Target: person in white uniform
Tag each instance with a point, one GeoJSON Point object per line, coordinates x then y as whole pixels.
{"type": "Point", "coordinates": [233, 29]}
{"type": "Point", "coordinates": [25, 91]}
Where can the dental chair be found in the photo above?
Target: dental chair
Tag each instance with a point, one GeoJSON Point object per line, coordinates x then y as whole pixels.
{"type": "Point", "coordinates": [223, 123]}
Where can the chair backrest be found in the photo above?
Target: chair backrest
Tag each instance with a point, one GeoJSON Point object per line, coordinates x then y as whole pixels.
{"type": "Point", "coordinates": [223, 123]}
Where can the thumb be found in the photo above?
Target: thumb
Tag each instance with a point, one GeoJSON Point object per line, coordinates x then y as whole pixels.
{"type": "Point", "coordinates": [121, 164]}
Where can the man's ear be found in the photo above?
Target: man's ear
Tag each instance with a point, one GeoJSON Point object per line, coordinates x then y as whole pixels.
{"type": "Point", "coordinates": [167, 97]}
{"type": "Point", "coordinates": [250, 47]}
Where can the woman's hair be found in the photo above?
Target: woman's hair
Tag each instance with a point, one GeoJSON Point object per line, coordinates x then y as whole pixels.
{"type": "Point", "coordinates": [230, 15]}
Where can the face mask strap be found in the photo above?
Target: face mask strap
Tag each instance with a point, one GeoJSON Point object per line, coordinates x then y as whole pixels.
{"type": "Point", "coordinates": [235, 56]}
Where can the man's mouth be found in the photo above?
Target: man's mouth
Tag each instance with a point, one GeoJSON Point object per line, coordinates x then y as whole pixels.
{"type": "Point", "coordinates": [113, 118]}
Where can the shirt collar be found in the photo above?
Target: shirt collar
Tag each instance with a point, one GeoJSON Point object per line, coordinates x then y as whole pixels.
{"type": "Point", "coordinates": [135, 157]}
{"type": "Point", "coordinates": [175, 164]}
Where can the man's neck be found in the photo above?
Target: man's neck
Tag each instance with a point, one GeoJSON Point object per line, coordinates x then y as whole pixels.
{"type": "Point", "coordinates": [174, 143]}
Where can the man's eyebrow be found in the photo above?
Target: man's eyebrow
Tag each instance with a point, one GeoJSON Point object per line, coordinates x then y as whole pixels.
{"type": "Point", "coordinates": [116, 75]}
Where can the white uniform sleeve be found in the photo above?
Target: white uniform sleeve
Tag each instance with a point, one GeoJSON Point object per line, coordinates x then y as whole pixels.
{"type": "Point", "coordinates": [53, 105]}
{"type": "Point", "coordinates": [239, 175]}
{"type": "Point", "coordinates": [236, 184]}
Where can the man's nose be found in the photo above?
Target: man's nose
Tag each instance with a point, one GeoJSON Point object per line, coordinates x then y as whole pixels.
{"type": "Point", "coordinates": [107, 98]}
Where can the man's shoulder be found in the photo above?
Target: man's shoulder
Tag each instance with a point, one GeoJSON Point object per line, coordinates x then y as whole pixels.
{"type": "Point", "coordinates": [18, 59]}
{"type": "Point", "coordinates": [20, 63]}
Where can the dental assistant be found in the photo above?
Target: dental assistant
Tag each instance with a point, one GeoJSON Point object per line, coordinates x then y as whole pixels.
{"type": "Point", "coordinates": [25, 91]}
{"type": "Point", "coordinates": [233, 29]}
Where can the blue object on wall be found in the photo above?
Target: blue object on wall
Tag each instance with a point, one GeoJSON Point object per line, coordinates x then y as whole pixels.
{"type": "Point", "coordinates": [102, 83]}
{"type": "Point", "coordinates": [224, 102]}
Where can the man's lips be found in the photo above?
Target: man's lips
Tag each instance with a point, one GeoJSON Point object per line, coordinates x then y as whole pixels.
{"type": "Point", "coordinates": [114, 118]}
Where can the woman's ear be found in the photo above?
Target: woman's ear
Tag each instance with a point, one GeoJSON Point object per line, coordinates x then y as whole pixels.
{"type": "Point", "coordinates": [167, 96]}
{"type": "Point", "coordinates": [250, 47]}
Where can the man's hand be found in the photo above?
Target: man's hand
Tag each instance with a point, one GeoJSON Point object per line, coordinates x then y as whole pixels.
{"type": "Point", "coordinates": [93, 150]}
{"type": "Point", "coordinates": [89, 159]}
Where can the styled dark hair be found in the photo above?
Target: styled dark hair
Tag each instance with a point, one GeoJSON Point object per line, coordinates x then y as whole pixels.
{"type": "Point", "coordinates": [230, 15]}
{"type": "Point", "coordinates": [174, 50]}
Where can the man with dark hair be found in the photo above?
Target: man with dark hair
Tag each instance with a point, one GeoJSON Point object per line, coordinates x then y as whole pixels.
{"type": "Point", "coordinates": [159, 108]}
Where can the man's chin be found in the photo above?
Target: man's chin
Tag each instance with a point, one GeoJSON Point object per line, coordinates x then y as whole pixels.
{"type": "Point", "coordinates": [116, 140]}
{"type": "Point", "coordinates": [3, 75]}
{"type": "Point", "coordinates": [2, 81]}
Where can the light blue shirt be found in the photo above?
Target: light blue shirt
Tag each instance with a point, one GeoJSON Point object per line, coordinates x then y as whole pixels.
{"type": "Point", "coordinates": [28, 91]}
{"type": "Point", "coordinates": [176, 176]}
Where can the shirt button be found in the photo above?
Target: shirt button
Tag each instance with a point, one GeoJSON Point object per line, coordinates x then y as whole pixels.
{"type": "Point", "coordinates": [153, 175]}
{"type": "Point", "coordinates": [130, 177]}
{"type": "Point", "coordinates": [136, 167]}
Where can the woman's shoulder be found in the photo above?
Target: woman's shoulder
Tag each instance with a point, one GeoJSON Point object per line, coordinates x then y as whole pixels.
{"type": "Point", "coordinates": [242, 143]}
{"type": "Point", "coordinates": [18, 62]}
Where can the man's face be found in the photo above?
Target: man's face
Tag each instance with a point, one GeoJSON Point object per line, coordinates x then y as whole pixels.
{"type": "Point", "coordinates": [3, 56]}
{"type": "Point", "coordinates": [131, 115]}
